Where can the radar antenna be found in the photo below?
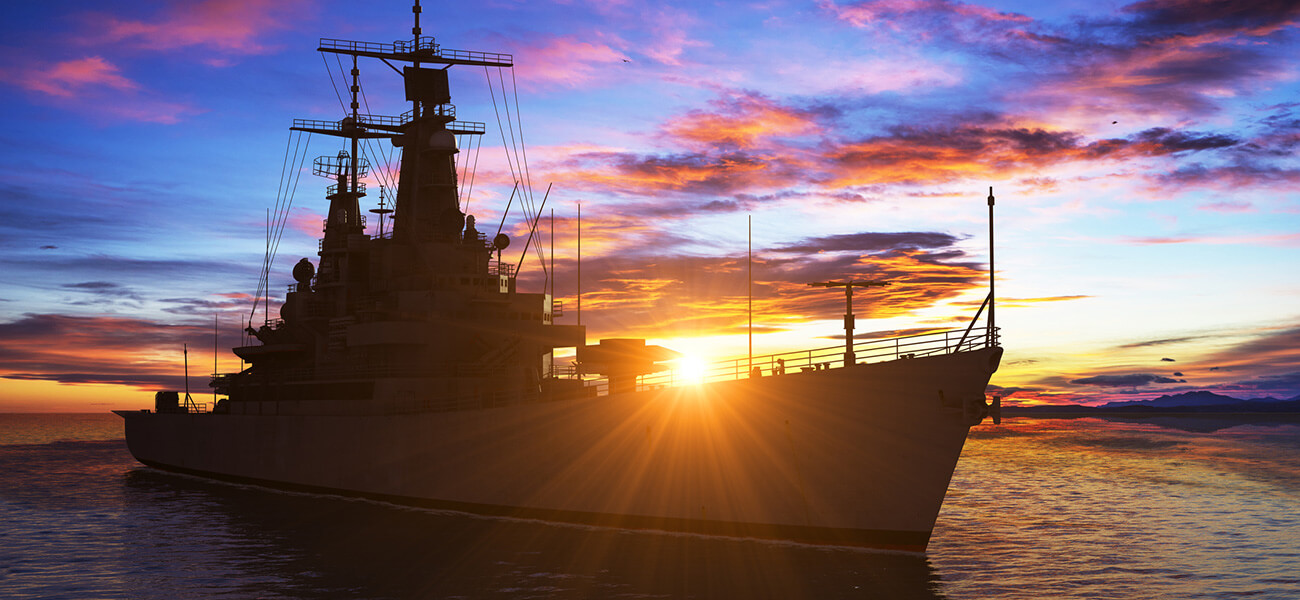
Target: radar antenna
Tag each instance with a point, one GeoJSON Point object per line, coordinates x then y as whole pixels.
{"type": "Point", "coordinates": [849, 357]}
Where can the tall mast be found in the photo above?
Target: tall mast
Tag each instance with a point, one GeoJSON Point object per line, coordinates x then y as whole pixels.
{"type": "Point", "coordinates": [991, 271]}
{"type": "Point", "coordinates": [580, 264]}
{"type": "Point", "coordinates": [849, 357]}
{"type": "Point", "coordinates": [415, 43]}
{"type": "Point", "coordinates": [356, 156]}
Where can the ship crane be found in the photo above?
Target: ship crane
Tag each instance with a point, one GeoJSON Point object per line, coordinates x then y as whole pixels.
{"type": "Point", "coordinates": [849, 358]}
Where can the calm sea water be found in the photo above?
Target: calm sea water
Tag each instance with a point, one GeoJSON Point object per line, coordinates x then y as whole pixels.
{"type": "Point", "coordinates": [1051, 508]}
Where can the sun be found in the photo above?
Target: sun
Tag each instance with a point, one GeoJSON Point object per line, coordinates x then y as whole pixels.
{"type": "Point", "coordinates": [690, 370]}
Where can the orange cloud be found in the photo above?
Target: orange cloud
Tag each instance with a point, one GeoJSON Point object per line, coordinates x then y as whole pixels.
{"type": "Point", "coordinates": [651, 293]}
{"type": "Point", "coordinates": [742, 121]}
{"type": "Point", "coordinates": [691, 172]}
{"type": "Point", "coordinates": [104, 350]}
{"type": "Point", "coordinates": [1024, 302]}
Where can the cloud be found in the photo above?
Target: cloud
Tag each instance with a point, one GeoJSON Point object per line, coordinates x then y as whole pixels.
{"type": "Point", "coordinates": [1154, 58]}
{"type": "Point", "coordinates": [1264, 362]}
{"type": "Point", "coordinates": [565, 61]}
{"type": "Point", "coordinates": [1182, 18]}
{"type": "Point", "coordinates": [100, 350]}
{"type": "Point", "coordinates": [926, 18]}
{"type": "Point", "coordinates": [871, 242]}
{"type": "Point", "coordinates": [683, 173]}
{"type": "Point", "coordinates": [1281, 239]}
{"type": "Point", "coordinates": [939, 154]}
{"type": "Point", "coordinates": [658, 293]}
{"type": "Point", "coordinates": [64, 79]}
{"type": "Point", "coordinates": [96, 87]}
{"type": "Point", "coordinates": [233, 26]}
{"type": "Point", "coordinates": [746, 147]}
{"type": "Point", "coordinates": [1227, 206]}
{"type": "Point", "coordinates": [105, 292]}
{"type": "Point", "coordinates": [743, 120]}
{"type": "Point", "coordinates": [1129, 380]}
{"type": "Point", "coordinates": [1243, 174]}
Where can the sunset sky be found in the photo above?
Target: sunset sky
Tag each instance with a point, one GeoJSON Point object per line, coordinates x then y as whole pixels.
{"type": "Point", "coordinates": [1143, 156]}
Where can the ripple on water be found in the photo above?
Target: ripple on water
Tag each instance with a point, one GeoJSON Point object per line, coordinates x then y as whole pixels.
{"type": "Point", "coordinates": [1090, 509]}
{"type": "Point", "coordinates": [1037, 509]}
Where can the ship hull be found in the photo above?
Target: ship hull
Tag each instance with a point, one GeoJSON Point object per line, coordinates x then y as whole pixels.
{"type": "Point", "coordinates": [857, 456]}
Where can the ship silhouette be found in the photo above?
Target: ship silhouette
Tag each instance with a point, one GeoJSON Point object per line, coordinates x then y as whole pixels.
{"type": "Point", "coordinates": [408, 366]}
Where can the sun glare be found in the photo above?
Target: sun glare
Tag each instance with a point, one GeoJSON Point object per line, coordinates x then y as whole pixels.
{"type": "Point", "coordinates": [690, 370]}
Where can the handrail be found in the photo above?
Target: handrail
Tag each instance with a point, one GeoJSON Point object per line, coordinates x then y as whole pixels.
{"type": "Point", "coordinates": [870, 351]}
{"type": "Point", "coordinates": [830, 357]}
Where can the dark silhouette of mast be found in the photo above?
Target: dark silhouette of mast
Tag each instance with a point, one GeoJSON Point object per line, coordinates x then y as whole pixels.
{"type": "Point", "coordinates": [849, 357]}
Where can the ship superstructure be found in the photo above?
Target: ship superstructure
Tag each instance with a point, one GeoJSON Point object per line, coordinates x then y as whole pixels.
{"type": "Point", "coordinates": [427, 310]}
{"type": "Point", "coordinates": [408, 366]}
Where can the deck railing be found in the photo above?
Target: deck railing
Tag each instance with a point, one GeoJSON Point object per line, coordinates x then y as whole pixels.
{"type": "Point", "coordinates": [830, 357]}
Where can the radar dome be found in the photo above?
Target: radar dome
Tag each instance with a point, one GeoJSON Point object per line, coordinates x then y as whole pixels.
{"type": "Point", "coordinates": [302, 273]}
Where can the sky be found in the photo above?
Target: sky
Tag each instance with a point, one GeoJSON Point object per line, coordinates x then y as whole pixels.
{"type": "Point", "coordinates": [1143, 157]}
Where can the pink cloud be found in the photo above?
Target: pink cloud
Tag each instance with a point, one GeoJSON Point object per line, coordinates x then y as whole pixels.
{"type": "Point", "coordinates": [1227, 206]}
{"type": "Point", "coordinates": [68, 77]}
{"type": "Point", "coordinates": [863, 13]}
{"type": "Point", "coordinates": [303, 220]}
{"type": "Point", "coordinates": [229, 25]}
{"type": "Point", "coordinates": [95, 87]}
{"type": "Point", "coordinates": [1285, 239]}
{"type": "Point", "coordinates": [668, 39]}
{"type": "Point", "coordinates": [565, 61]}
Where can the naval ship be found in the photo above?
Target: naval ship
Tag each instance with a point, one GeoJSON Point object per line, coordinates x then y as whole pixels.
{"type": "Point", "coordinates": [409, 367]}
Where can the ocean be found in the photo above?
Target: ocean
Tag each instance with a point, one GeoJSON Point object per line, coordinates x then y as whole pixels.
{"type": "Point", "coordinates": [1164, 507]}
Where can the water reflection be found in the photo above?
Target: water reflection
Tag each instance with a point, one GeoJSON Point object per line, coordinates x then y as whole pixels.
{"type": "Point", "coordinates": [1091, 508]}
{"type": "Point", "coordinates": [1194, 423]}
{"type": "Point", "coordinates": [1038, 508]}
{"type": "Point", "coordinates": [251, 541]}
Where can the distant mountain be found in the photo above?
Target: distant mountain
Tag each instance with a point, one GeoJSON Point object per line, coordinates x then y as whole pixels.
{"type": "Point", "coordinates": [1188, 402]}
{"type": "Point", "coordinates": [1186, 399]}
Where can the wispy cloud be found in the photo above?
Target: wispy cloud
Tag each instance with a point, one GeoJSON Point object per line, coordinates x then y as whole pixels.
{"type": "Point", "coordinates": [103, 350]}
{"type": "Point", "coordinates": [1285, 240]}
{"type": "Point", "coordinates": [234, 26]}
{"type": "Point", "coordinates": [658, 293]}
{"type": "Point", "coordinates": [66, 78]}
{"type": "Point", "coordinates": [95, 86]}
{"type": "Point", "coordinates": [565, 61]}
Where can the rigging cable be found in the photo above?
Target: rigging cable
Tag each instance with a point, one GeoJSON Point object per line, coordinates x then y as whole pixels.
{"type": "Point", "coordinates": [263, 283]}
{"type": "Point", "coordinates": [388, 174]}
{"type": "Point", "coordinates": [279, 191]}
{"type": "Point", "coordinates": [473, 173]}
{"type": "Point", "coordinates": [530, 202]}
{"type": "Point", "coordinates": [282, 218]}
{"type": "Point", "coordinates": [520, 115]}
{"type": "Point", "coordinates": [385, 178]}
{"type": "Point", "coordinates": [522, 157]}
{"type": "Point", "coordinates": [509, 159]}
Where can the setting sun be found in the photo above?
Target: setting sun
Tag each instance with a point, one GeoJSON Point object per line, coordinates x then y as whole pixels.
{"type": "Point", "coordinates": [690, 370]}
